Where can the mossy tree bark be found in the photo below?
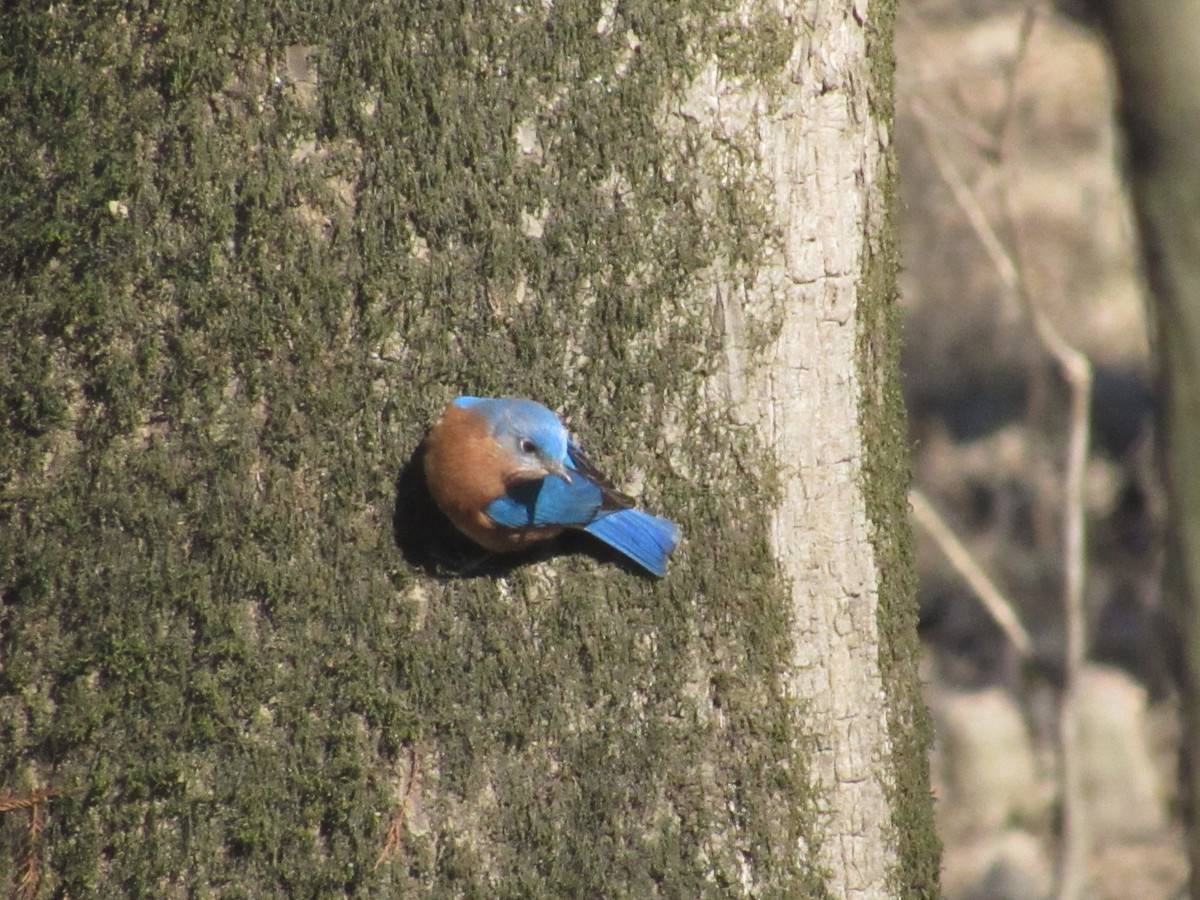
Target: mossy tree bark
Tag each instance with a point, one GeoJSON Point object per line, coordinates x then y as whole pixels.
{"type": "Point", "coordinates": [1154, 46]}
{"type": "Point", "coordinates": [248, 257]}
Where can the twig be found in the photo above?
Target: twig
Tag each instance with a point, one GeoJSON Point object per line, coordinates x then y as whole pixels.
{"type": "Point", "coordinates": [964, 563]}
{"type": "Point", "coordinates": [395, 832]}
{"type": "Point", "coordinates": [965, 197]}
{"type": "Point", "coordinates": [1028, 20]}
{"type": "Point", "coordinates": [1076, 370]}
{"type": "Point", "coordinates": [31, 869]}
{"type": "Point", "coordinates": [28, 800]}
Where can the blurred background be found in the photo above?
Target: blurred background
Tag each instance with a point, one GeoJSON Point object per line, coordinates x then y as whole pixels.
{"type": "Point", "coordinates": [1013, 197]}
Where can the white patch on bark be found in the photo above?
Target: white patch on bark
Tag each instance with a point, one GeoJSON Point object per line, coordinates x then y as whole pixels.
{"type": "Point", "coordinates": [809, 149]}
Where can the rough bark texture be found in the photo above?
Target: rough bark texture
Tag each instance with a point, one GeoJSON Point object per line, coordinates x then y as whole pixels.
{"type": "Point", "coordinates": [247, 258]}
{"type": "Point", "coordinates": [1156, 46]}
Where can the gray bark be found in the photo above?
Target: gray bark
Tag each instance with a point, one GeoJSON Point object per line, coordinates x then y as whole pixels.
{"type": "Point", "coordinates": [821, 156]}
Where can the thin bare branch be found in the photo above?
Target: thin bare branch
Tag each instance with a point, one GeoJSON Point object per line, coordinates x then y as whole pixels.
{"type": "Point", "coordinates": [964, 563]}
{"type": "Point", "coordinates": [1025, 32]}
{"type": "Point", "coordinates": [31, 869]}
{"type": "Point", "coordinates": [28, 800]}
{"type": "Point", "coordinates": [1076, 369]}
{"type": "Point", "coordinates": [965, 197]}
{"type": "Point", "coordinates": [394, 838]}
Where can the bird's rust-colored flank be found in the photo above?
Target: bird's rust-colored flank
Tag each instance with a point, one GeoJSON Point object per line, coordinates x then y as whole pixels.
{"type": "Point", "coordinates": [466, 469]}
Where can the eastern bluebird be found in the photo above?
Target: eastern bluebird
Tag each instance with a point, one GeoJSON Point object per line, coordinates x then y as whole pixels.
{"type": "Point", "coordinates": [506, 474]}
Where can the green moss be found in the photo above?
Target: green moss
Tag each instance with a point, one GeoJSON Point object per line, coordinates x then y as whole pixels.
{"type": "Point", "coordinates": [756, 49]}
{"type": "Point", "coordinates": [882, 415]}
{"type": "Point", "coordinates": [229, 312]}
{"type": "Point", "coordinates": [881, 55]}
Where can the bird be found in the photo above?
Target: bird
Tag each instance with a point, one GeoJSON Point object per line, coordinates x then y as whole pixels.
{"type": "Point", "coordinates": [506, 473]}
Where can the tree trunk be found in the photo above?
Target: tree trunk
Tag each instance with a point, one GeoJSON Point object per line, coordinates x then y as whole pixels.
{"type": "Point", "coordinates": [249, 259]}
{"type": "Point", "coordinates": [1157, 53]}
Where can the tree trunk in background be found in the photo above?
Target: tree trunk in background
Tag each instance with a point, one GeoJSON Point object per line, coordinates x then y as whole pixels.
{"type": "Point", "coordinates": [816, 390]}
{"type": "Point", "coordinates": [1156, 47]}
{"type": "Point", "coordinates": [247, 260]}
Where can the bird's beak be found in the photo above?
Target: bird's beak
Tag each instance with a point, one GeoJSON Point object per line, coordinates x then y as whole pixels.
{"type": "Point", "coordinates": [556, 467]}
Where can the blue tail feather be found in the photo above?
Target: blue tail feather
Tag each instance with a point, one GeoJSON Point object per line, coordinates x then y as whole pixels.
{"type": "Point", "coordinates": [646, 539]}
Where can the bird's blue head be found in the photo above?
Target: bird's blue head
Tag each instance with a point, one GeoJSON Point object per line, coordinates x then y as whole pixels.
{"type": "Point", "coordinates": [530, 432]}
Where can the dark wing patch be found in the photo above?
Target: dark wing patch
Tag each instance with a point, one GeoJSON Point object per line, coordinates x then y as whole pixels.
{"type": "Point", "coordinates": [611, 498]}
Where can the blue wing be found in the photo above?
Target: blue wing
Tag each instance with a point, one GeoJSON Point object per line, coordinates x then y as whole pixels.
{"type": "Point", "coordinates": [548, 501]}
{"type": "Point", "coordinates": [589, 501]}
{"type": "Point", "coordinates": [646, 539]}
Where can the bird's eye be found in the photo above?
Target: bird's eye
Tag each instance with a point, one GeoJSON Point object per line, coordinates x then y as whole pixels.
{"type": "Point", "coordinates": [528, 446]}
